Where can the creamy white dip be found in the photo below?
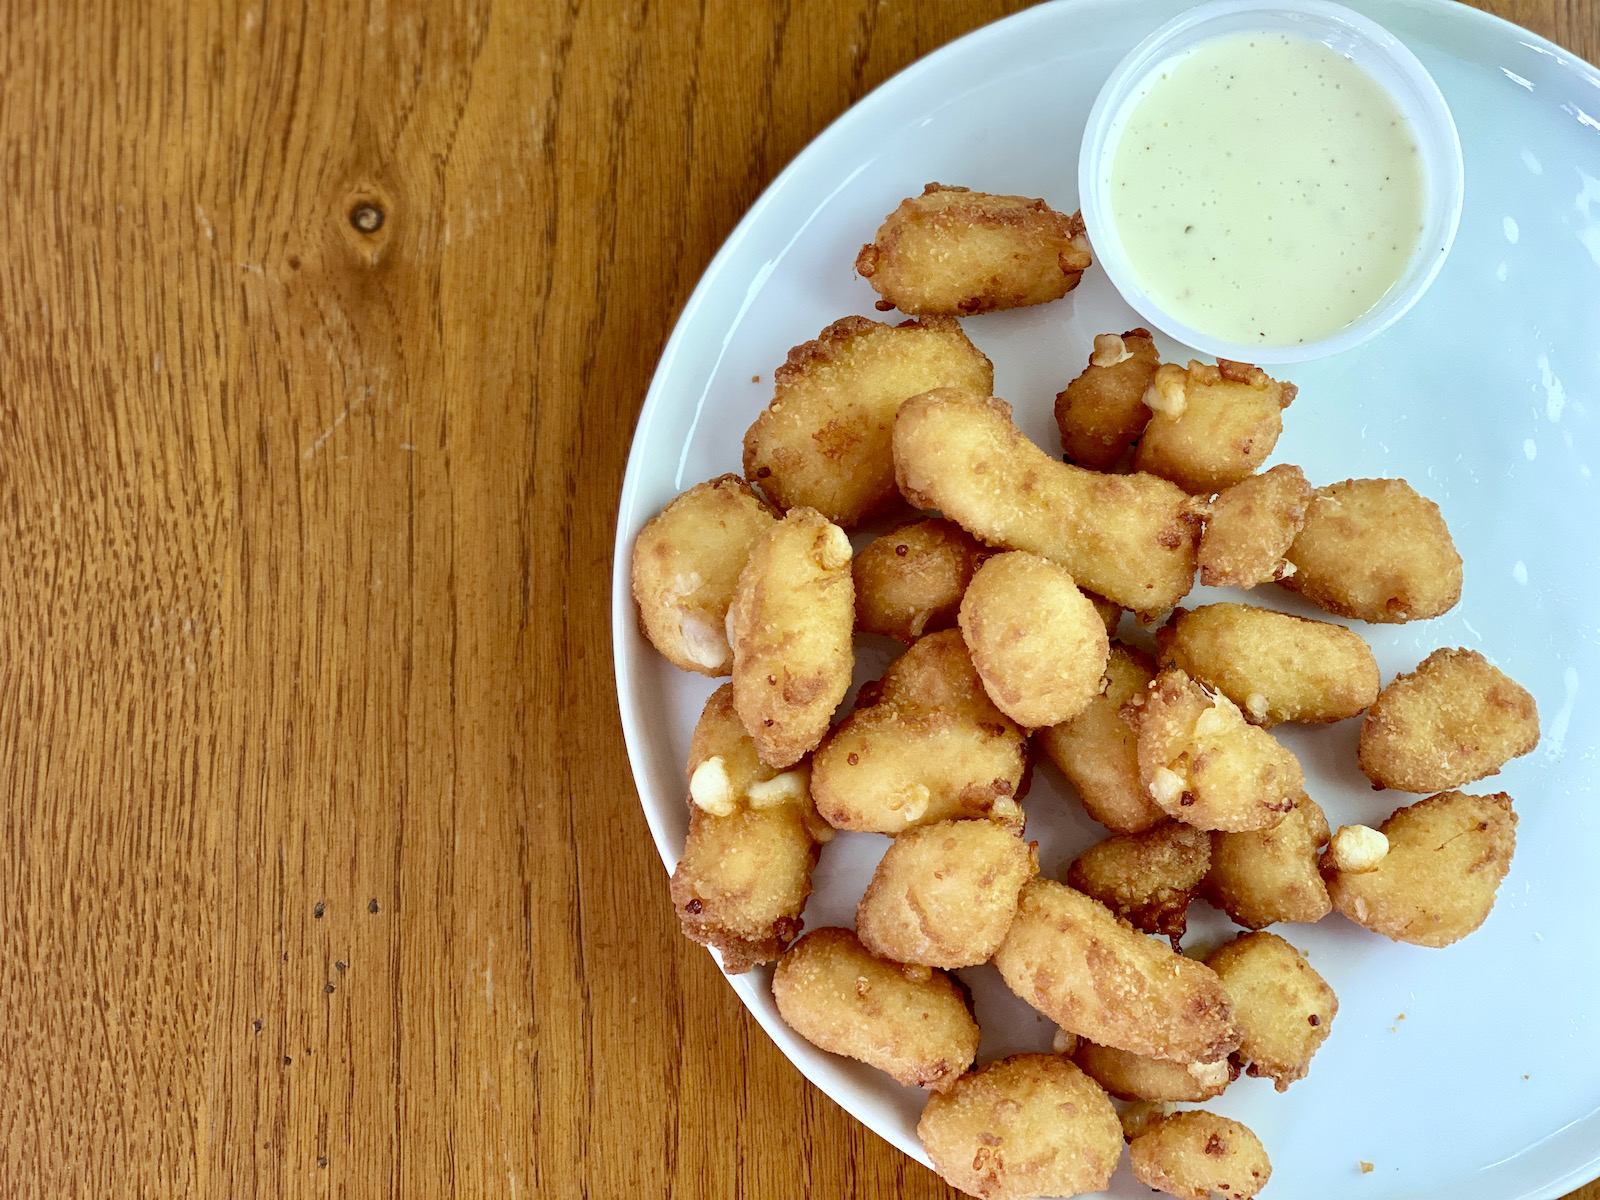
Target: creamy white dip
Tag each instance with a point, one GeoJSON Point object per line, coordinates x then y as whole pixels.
{"type": "Point", "coordinates": [1266, 190]}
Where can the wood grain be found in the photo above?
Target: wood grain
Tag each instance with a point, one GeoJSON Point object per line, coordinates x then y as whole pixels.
{"type": "Point", "coordinates": [322, 870]}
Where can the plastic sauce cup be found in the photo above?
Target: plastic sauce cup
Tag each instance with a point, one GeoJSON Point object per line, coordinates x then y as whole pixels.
{"type": "Point", "coordinates": [1365, 43]}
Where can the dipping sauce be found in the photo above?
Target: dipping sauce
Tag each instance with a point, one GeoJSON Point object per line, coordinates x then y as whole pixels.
{"type": "Point", "coordinates": [1266, 190]}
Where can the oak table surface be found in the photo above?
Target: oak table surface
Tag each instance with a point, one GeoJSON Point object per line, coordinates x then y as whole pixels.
{"type": "Point", "coordinates": [324, 332]}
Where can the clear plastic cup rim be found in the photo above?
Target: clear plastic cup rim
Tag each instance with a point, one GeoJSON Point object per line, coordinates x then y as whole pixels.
{"type": "Point", "coordinates": [1370, 47]}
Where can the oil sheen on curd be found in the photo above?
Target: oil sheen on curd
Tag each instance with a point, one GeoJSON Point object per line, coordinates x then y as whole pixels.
{"type": "Point", "coordinates": [1266, 190]}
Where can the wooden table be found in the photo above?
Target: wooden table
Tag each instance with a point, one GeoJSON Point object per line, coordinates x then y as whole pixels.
{"type": "Point", "coordinates": [324, 331]}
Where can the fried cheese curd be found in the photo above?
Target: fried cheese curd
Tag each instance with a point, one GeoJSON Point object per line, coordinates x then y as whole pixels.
{"type": "Point", "coordinates": [1038, 644]}
{"type": "Point", "coordinates": [1437, 882]}
{"type": "Point", "coordinates": [686, 563]}
{"type": "Point", "coordinates": [1453, 720]}
{"type": "Point", "coordinates": [1102, 412]}
{"type": "Point", "coordinates": [1251, 527]}
{"type": "Point", "coordinates": [1274, 666]}
{"type": "Point", "coordinates": [1284, 1008]}
{"type": "Point", "coordinates": [913, 1023]}
{"type": "Point", "coordinates": [1146, 878]}
{"type": "Point", "coordinates": [1128, 538]}
{"type": "Point", "coordinates": [1203, 764]}
{"type": "Point", "coordinates": [1098, 751]}
{"type": "Point", "coordinates": [1140, 1077]}
{"type": "Point", "coordinates": [1211, 426]}
{"type": "Point", "coordinates": [1095, 976]}
{"type": "Point", "coordinates": [944, 895]}
{"type": "Point", "coordinates": [910, 581]}
{"type": "Point", "coordinates": [790, 626]}
{"type": "Point", "coordinates": [1194, 1154]}
{"type": "Point", "coordinates": [1375, 550]}
{"type": "Point", "coordinates": [823, 442]}
{"type": "Point", "coordinates": [924, 744]}
{"type": "Point", "coordinates": [753, 838]}
{"type": "Point", "coordinates": [1028, 1126]}
{"type": "Point", "coordinates": [955, 252]}
{"type": "Point", "coordinates": [1270, 875]}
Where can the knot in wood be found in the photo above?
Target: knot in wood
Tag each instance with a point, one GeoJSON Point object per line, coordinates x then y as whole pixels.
{"type": "Point", "coordinates": [367, 217]}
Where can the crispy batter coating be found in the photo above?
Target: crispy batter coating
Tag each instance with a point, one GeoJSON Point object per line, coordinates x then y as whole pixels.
{"type": "Point", "coordinates": [746, 868]}
{"type": "Point", "coordinates": [912, 1022]}
{"type": "Point", "coordinates": [1027, 1126]}
{"type": "Point", "coordinates": [1270, 875]}
{"type": "Point", "coordinates": [1139, 1115]}
{"type": "Point", "coordinates": [1102, 412]}
{"type": "Point", "coordinates": [1274, 666]}
{"type": "Point", "coordinates": [824, 439]}
{"type": "Point", "coordinates": [1375, 550]}
{"type": "Point", "coordinates": [1110, 614]}
{"type": "Point", "coordinates": [1251, 527]}
{"type": "Point", "coordinates": [1203, 764]}
{"type": "Point", "coordinates": [1093, 975]}
{"type": "Point", "coordinates": [1140, 1077]}
{"type": "Point", "coordinates": [1146, 878]}
{"type": "Point", "coordinates": [743, 882]}
{"type": "Point", "coordinates": [1447, 856]}
{"type": "Point", "coordinates": [1453, 720]}
{"type": "Point", "coordinates": [910, 581]}
{"type": "Point", "coordinates": [720, 734]}
{"type": "Point", "coordinates": [944, 895]}
{"type": "Point", "coordinates": [1128, 538]}
{"type": "Point", "coordinates": [924, 744]}
{"type": "Point", "coordinates": [1098, 751]}
{"type": "Point", "coordinates": [1193, 1154]}
{"type": "Point", "coordinates": [686, 562]}
{"type": "Point", "coordinates": [1284, 1008]}
{"type": "Point", "coordinates": [1213, 427]}
{"type": "Point", "coordinates": [956, 252]}
{"type": "Point", "coordinates": [790, 626]}
{"type": "Point", "coordinates": [1037, 642]}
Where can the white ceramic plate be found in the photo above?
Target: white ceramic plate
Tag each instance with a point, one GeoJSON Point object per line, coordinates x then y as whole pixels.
{"type": "Point", "coordinates": [1485, 397]}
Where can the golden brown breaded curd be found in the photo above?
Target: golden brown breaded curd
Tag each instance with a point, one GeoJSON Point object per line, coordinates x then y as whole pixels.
{"type": "Point", "coordinates": [924, 744]}
{"type": "Point", "coordinates": [791, 625]}
{"type": "Point", "coordinates": [1213, 427]}
{"type": "Point", "coordinates": [1270, 875]}
{"type": "Point", "coordinates": [743, 882]}
{"type": "Point", "coordinates": [1037, 642]}
{"type": "Point", "coordinates": [1284, 1008]}
{"type": "Point", "coordinates": [944, 895]}
{"type": "Point", "coordinates": [1455, 719]}
{"type": "Point", "coordinates": [1203, 764]}
{"type": "Point", "coordinates": [1140, 1077]}
{"type": "Point", "coordinates": [1128, 538]}
{"type": "Point", "coordinates": [823, 442]}
{"type": "Point", "coordinates": [1146, 878]}
{"type": "Point", "coordinates": [956, 252]}
{"type": "Point", "coordinates": [746, 868]}
{"type": "Point", "coordinates": [1274, 666]}
{"type": "Point", "coordinates": [1195, 1154]}
{"type": "Point", "coordinates": [1375, 550]}
{"type": "Point", "coordinates": [1102, 412]}
{"type": "Point", "coordinates": [914, 1023]}
{"type": "Point", "coordinates": [1093, 975]}
{"type": "Point", "coordinates": [1028, 1126]}
{"type": "Point", "coordinates": [1098, 751]}
{"type": "Point", "coordinates": [1447, 855]}
{"type": "Point", "coordinates": [686, 563]}
{"type": "Point", "coordinates": [719, 734]}
{"type": "Point", "coordinates": [910, 581]}
{"type": "Point", "coordinates": [1251, 527]}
